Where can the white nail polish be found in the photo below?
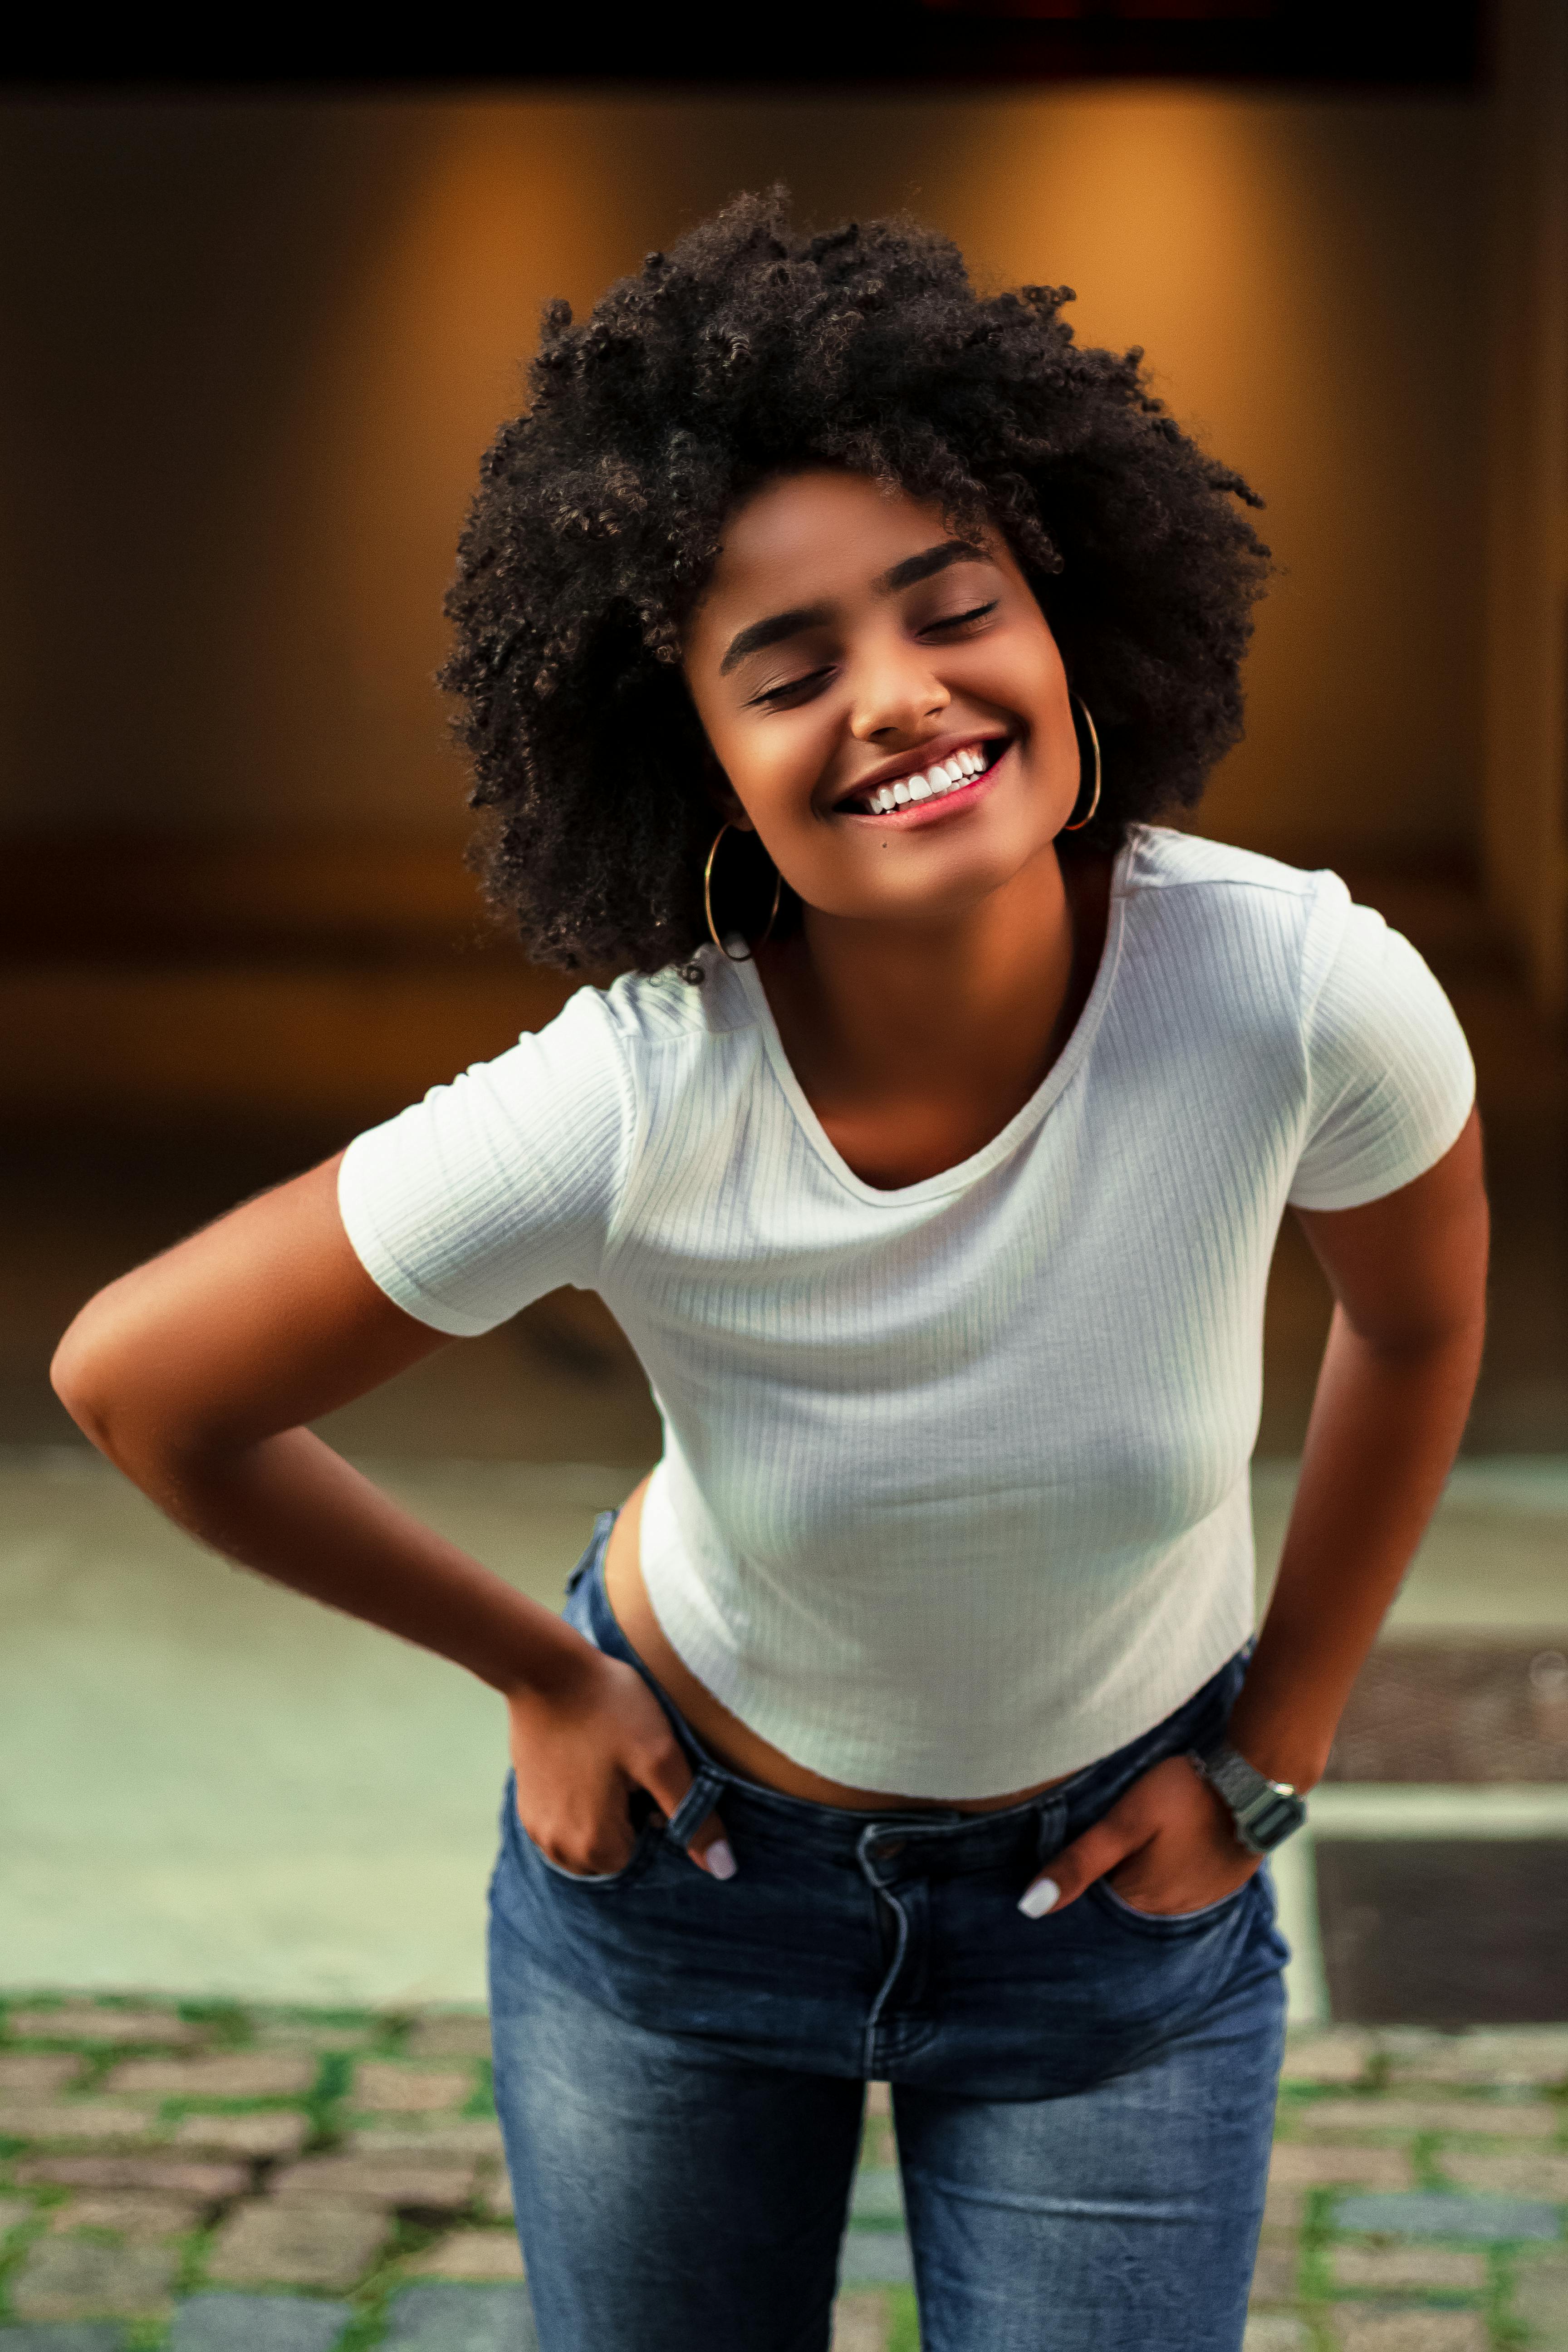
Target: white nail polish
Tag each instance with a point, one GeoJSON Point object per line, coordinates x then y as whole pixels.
{"type": "Point", "coordinates": [721, 1861]}
{"type": "Point", "coordinates": [1040, 1898]}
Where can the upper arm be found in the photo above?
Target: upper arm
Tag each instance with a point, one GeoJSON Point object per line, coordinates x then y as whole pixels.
{"type": "Point", "coordinates": [1409, 1269]}
{"type": "Point", "coordinates": [255, 1324]}
{"type": "Point", "coordinates": [440, 1223]}
{"type": "Point", "coordinates": [1388, 1183]}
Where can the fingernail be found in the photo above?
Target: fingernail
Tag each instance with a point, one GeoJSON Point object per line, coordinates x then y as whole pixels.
{"type": "Point", "coordinates": [721, 1861]}
{"type": "Point", "coordinates": [1038, 1899]}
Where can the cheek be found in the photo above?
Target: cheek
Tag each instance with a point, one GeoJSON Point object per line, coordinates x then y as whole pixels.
{"type": "Point", "coordinates": [772, 772]}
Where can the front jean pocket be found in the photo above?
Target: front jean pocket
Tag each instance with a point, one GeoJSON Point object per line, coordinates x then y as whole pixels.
{"type": "Point", "coordinates": [597, 1880]}
{"type": "Point", "coordinates": [1165, 1923]}
{"type": "Point", "coordinates": [648, 1829]}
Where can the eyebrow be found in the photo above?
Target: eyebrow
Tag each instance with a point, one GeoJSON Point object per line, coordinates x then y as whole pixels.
{"type": "Point", "coordinates": [759, 635]}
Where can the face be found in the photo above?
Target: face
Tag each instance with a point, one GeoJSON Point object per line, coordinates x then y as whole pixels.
{"type": "Point", "coordinates": [886, 701]}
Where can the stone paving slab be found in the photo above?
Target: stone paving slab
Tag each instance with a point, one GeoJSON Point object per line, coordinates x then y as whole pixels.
{"type": "Point", "coordinates": [95, 2120]}
{"type": "Point", "coordinates": [467, 2135]}
{"type": "Point", "coordinates": [439, 2318]}
{"type": "Point", "coordinates": [141, 2215]}
{"type": "Point", "coordinates": [495, 2198]}
{"type": "Point", "coordinates": [304, 2245]}
{"type": "Point", "coordinates": [76, 2278]}
{"type": "Point", "coordinates": [380, 2087]}
{"type": "Point", "coordinates": [235, 2075]}
{"type": "Point", "coordinates": [1277, 2270]}
{"type": "Point", "coordinates": [1477, 2118]}
{"type": "Point", "coordinates": [1535, 2055]}
{"type": "Point", "coordinates": [1541, 2300]}
{"type": "Point", "coordinates": [1295, 2165]}
{"type": "Point", "coordinates": [90, 2021]}
{"type": "Point", "coordinates": [877, 2196]}
{"type": "Point", "coordinates": [1390, 2269]}
{"type": "Point", "coordinates": [379, 2185]}
{"type": "Point", "coordinates": [1431, 2213]}
{"type": "Point", "coordinates": [1340, 2055]}
{"type": "Point", "coordinates": [88, 2335]}
{"type": "Point", "coordinates": [875, 2258]}
{"type": "Point", "coordinates": [264, 2132]}
{"type": "Point", "coordinates": [213, 2183]}
{"type": "Point", "coordinates": [297, 2034]}
{"type": "Point", "coordinates": [38, 2073]}
{"type": "Point", "coordinates": [257, 2323]}
{"type": "Point", "coordinates": [1408, 2331]}
{"type": "Point", "coordinates": [1284, 2208]}
{"type": "Point", "coordinates": [860, 2322]}
{"type": "Point", "coordinates": [450, 2037]}
{"type": "Point", "coordinates": [1530, 2174]}
{"type": "Point", "coordinates": [472, 2254]}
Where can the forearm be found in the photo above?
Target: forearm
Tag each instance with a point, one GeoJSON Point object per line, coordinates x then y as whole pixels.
{"type": "Point", "coordinates": [1385, 1426]}
{"type": "Point", "coordinates": [293, 1508]}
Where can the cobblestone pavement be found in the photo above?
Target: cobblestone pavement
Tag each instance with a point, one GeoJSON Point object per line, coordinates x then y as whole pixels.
{"type": "Point", "coordinates": [197, 2178]}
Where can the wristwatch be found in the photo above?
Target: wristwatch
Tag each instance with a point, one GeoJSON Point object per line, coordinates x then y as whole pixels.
{"type": "Point", "coordinates": [1266, 1813]}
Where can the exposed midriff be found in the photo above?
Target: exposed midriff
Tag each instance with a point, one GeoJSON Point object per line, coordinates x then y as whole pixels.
{"type": "Point", "coordinates": [724, 1736]}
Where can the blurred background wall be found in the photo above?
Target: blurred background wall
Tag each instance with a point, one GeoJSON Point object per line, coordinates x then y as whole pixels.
{"type": "Point", "coordinates": [258, 347]}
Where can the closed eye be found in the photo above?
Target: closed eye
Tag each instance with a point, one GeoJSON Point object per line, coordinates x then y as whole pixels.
{"type": "Point", "coordinates": [961, 620]}
{"type": "Point", "coordinates": [789, 689]}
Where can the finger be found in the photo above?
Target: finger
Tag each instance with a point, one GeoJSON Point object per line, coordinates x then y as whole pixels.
{"type": "Point", "coordinates": [1076, 1866]}
{"type": "Point", "coordinates": [666, 1774]}
{"type": "Point", "coordinates": [712, 1849]}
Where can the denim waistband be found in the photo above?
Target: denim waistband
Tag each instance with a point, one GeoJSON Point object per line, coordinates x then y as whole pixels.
{"type": "Point", "coordinates": [945, 1840]}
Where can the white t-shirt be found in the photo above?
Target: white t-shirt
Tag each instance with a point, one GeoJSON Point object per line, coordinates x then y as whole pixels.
{"type": "Point", "coordinates": [953, 1496]}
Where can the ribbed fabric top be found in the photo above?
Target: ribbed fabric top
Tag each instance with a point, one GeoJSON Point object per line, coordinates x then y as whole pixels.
{"type": "Point", "coordinates": [954, 1495]}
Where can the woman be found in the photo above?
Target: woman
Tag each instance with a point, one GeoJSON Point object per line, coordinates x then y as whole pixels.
{"type": "Point", "coordinates": [829, 638]}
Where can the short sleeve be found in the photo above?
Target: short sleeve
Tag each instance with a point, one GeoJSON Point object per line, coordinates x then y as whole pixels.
{"type": "Point", "coordinates": [501, 1185]}
{"type": "Point", "coordinates": [1390, 1078]}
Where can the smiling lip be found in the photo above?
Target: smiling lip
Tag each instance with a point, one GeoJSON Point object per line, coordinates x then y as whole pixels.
{"type": "Point", "coordinates": [963, 796]}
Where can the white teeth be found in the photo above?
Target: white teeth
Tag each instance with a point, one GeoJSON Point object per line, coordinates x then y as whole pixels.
{"type": "Point", "coordinates": [945, 776]}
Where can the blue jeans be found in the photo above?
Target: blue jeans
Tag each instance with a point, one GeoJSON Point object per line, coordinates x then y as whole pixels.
{"type": "Point", "coordinates": [1083, 2104]}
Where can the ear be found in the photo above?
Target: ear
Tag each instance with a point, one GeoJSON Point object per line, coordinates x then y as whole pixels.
{"type": "Point", "coordinates": [721, 792]}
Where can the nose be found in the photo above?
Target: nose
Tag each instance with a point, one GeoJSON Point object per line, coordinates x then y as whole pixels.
{"type": "Point", "coordinates": [895, 695]}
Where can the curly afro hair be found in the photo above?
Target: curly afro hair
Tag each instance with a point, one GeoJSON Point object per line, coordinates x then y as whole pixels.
{"type": "Point", "coordinates": [750, 351]}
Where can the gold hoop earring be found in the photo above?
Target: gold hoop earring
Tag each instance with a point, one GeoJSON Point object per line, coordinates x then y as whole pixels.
{"type": "Point", "coordinates": [1094, 745]}
{"type": "Point", "coordinates": [750, 956]}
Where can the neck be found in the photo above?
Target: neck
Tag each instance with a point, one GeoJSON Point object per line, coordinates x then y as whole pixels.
{"type": "Point", "coordinates": [917, 1041]}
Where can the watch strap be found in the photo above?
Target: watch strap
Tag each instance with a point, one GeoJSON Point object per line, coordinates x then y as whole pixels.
{"type": "Point", "coordinates": [1265, 1812]}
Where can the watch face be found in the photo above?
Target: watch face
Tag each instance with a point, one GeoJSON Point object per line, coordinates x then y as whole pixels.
{"type": "Point", "coordinates": [1273, 1821]}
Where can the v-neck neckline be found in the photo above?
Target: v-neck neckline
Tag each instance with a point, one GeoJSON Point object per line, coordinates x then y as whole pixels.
{"type": "Point", "coordinates": [963, 1172]}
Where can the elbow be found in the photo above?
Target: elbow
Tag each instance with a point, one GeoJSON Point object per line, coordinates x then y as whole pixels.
{"type": "Point", "coordinates": [117, 1372]}
{"type": "Point", "coordinates": [81, 1375]}
{"type": "Point", "coordinates": [100, 1377]}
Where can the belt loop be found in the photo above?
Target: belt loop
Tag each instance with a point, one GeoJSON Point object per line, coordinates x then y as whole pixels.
{"type": "Point", "coordinates": [1050, 1829]}
{"type": "Point", "coordinates": [695, 1806]}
